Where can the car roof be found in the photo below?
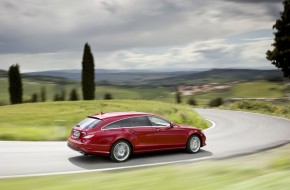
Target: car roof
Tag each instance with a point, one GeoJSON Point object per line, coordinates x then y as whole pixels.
{"type": "Point", "coordinates": [112, 115]}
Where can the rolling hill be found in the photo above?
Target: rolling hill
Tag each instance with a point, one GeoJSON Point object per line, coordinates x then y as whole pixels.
{"type": "Point", "coordinates": [155, 78]}
{"type": "Point", "coordinates": [219, 75]}
{"type": "Point", "coordinates": [118, 77]}
{"type": "Point", "coordinates": [150, 85]}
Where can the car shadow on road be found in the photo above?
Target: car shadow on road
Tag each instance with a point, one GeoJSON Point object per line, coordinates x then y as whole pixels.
{"type": "Point", "coordinates": [100, 162]}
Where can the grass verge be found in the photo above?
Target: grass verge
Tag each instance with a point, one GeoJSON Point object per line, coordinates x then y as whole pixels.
{"type": "Point", "coordinates": [281, 110]}
{"type": "Point", "coordinates": [54, 120]}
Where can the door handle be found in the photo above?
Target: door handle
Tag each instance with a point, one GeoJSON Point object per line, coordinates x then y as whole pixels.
{"type": "Point", "coordinates": [132, 131]}
{"type": "Point", "coordinates": [157, 129]}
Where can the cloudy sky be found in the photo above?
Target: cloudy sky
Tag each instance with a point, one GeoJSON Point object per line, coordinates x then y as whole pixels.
{"type": "Point", "coordinates": [137, 34]}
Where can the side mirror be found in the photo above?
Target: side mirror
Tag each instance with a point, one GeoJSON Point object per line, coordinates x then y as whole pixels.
{"type": "Point", "coordinates": [172, 125]}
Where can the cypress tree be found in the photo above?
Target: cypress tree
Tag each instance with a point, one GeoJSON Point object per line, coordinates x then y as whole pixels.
{"type": "Point", "coordinates": [280, 55]}
{"type": "Point", "coordinates": [56, 97]}
{"type": "Point", "coordinates": [15, 85]}
{"type": "Point", "coordinates": [74, 95]}
{"type": "Point", "coordinates": [178, 96]}
{"type": "Point", "coordinates": [34, 97]}
{"type": "Point", "coordinates": [43, 94]}
{"type": "Point", "coordinates": [88, 74]}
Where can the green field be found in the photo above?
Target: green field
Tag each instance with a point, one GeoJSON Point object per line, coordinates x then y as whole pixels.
{"type": "Point", "coordinates": [54, 120]}
{"type": "Point", "coordinates": [118, 92]}
{"type": "Point", "coordinates": [263, 171]}
{"type": "Point", "coordinates": [254, 89]}
{"type": "Point", "coordinates": [258, 89]}
{"type": "Point", "coordinates": [30, 87]}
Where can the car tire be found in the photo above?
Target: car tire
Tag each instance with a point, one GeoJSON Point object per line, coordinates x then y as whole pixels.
{"type": "Point", "coordinates": [120, 151]}
{"type": "Point", "coordinates": [193, 144]}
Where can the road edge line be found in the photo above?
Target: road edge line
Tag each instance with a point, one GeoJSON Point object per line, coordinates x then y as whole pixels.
{"type": "Point", "coordinates": [213, 125]}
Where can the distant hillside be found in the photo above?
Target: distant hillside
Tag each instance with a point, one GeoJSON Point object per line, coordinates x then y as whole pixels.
{"type": "Point", "coordinates": [53, 79]}
{"type": "Point", "coordinates": [68, 74]}
{"type": "Point", "coordinates": [221, 76]}
{"type": "Point", "coordinates": [44, 78]}
{"type": "Point", "coordinates": [3, 73]}
{"type": "Point", "coordinates": [118, 77]}
{"type": "Point", "coordinates": [155, 78]}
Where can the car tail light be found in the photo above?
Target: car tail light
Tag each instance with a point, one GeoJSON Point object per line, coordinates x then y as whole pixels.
{"type": "Point", "coordinates": [75, 134]}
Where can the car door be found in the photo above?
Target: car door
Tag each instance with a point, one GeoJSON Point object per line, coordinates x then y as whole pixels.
{"type": "Point", "coordinates": [166, 136]}
{"type": "Point", "coordinates": [141, 133]}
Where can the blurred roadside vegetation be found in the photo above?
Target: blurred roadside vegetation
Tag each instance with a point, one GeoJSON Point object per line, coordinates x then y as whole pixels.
{"type": "Point", "coordinates": [281, 109]}
{"type": "Point", "coordinates": [54, 120]}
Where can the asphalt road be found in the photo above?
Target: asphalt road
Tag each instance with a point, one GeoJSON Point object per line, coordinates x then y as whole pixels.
{"type": "Point", "coordinates": [235, 133]}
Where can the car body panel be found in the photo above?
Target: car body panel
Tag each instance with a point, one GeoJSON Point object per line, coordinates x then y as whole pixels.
{"type": "Point", "coordinates": [99, 139]}
{"type": "Point", "coordinates": [141, 138]}
{"type": "Point", "coordinates": [170, 137]}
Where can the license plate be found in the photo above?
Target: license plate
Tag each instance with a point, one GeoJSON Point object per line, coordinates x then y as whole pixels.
{"type": "Point", "coordinates": [76, 134]}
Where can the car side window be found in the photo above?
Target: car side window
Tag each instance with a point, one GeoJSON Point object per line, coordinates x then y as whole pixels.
{"type": "Point", "coordinates": [114, 125]}
{"type": "Point", "coordinates": [155, 121]}
{"type": "Point", "coordinates": [135, 121]}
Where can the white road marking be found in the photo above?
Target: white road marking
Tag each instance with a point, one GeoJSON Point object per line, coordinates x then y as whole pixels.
{"type": "Point", "coordinates": [212, 125]}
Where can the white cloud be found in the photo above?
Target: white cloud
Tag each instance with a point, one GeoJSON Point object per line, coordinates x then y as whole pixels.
{"type": "Point", "coordinates": [212, 53]}
{"type": "Point", "coordinates": [42, 61]}
{"type": "Point", "coordinates": [129, 34]}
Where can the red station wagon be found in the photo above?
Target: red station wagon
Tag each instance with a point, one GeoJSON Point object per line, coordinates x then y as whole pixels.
{"type": "Point", "coordinates": [121, 134]}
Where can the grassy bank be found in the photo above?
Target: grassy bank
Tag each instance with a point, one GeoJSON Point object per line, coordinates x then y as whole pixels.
{"type": "Point", "coordinates": [264, 171]}
{"type": "Point", "coordinates": [275, 109]}
{"type": "Point", "coordinates": [54, 120]}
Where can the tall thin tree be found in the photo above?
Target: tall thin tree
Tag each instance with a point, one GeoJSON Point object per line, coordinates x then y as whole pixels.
{"type": "Point", "coordinates": [15, 84]}
{"type": "Point", "coordinates": [34, 97]}
{"type": "Point", "coordinates": [280, 55]}
{"type": "Point", "coordinates": [88, 74]}
{"type": "Point", "coordinates": [178, 96]}
{"type": "Point", "coordinates": [74, 95]}
{"type": "Point", "coordinates": [43, 94]}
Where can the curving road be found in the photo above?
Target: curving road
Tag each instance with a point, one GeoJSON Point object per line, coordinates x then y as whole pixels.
{"type": "Point", "coordinates": [235, 133]}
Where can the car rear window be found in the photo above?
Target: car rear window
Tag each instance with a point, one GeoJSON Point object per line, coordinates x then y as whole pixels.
{"type": "Point", "coordinates": [129, 122]}
{"type": "Point", "coordinates": [88, 123]}
{"type": "Point", "coordinates": [135, 121]}
{"type": "Point", "coordinates": [114, 125]}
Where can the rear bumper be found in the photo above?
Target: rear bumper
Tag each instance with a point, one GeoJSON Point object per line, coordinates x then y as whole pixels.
{"type": "Point", "coordinates": [84, 148]}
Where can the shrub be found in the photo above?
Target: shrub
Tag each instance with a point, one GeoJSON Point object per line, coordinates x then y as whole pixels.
{"type": "Point", "coordinates": [191, 101]}
{"type": "Point", "coordinates": [262, 107]}
{"type": "Point", "coordinates": [215, 102]}
{"type": "Point", "coordinates": [108, 96]}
